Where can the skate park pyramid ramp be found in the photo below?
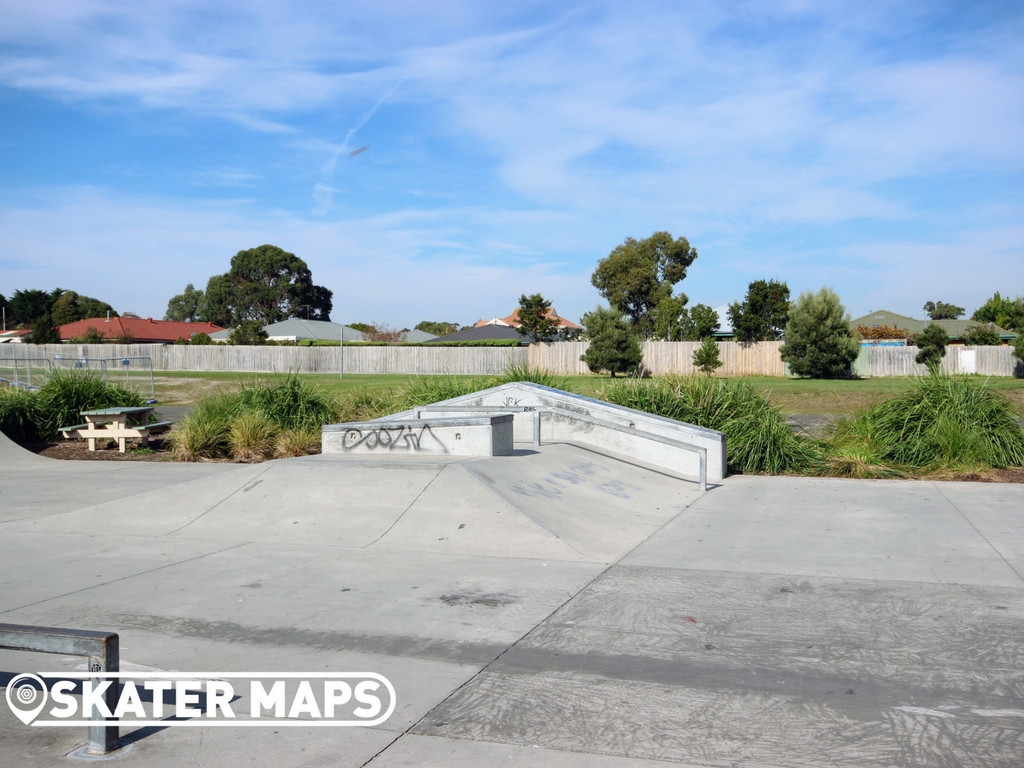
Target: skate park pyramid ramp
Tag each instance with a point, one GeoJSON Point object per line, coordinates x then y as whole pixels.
{"type": "Point", "coordinates": [540, 415]}
{"type": "Point", "coordinates": [557, 502]}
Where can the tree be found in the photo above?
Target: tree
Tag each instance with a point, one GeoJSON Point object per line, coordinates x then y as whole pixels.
{"type": "Point", "coordinates": [248, 332]}
{"type": "Point", "coordinates": [981, 336]}
{"type": "Point", "coordinates": [30, 305]}
{"type": "Point", "coordinates": [1006, 313]}
{"type": "Point", "coordinates": [638, 274]}
{"type": "Point", "coordinates": [200, 339]}
{"type": "Point", "coordinates": [362, 327]}
{"type": "Point", "coordinates": [668, 319]}
{"type": "Point", "coordinates": [1018, 346]}
{"type": "Point", "coordinates": [71, 307]}
{"type": "Point", "coordinates": [614, 346]}
{"type": "Point", "coordinates": [437, 328]}
{"type": "Point", "coordinates": [43, 330]}
{"type": "Point", "coordinates": [706, 357]}
{"type": "Point", "coordinates": [185, 307]}
{"type": "Point", "coordinates": [701, 322]}
{"type": "Point", "coordinates": [819, 344]}
{"type": "Point", "coordinates": [938, 310]}
{"type": "Point", "coordinates": [931, 344]}
{"type": "Point", "coordinates": [534, 318]}
{"type": "Point", "coordinates": [91, 336]}
{"type": "Point", "coordinates": [266, 284]}
{"type": "Point", "coordinates": [763, 314]}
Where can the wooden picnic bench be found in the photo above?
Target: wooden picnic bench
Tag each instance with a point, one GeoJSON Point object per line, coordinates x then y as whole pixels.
{"type": "Point", "coordinates": [112, 424]}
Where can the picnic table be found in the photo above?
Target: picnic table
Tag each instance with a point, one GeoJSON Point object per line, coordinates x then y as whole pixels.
{"type": "Point", "coordinates": [112, 424]}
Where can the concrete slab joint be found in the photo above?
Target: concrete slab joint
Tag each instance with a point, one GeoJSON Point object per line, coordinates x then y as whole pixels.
{"type": "Point", "coordinates": [489, 435]}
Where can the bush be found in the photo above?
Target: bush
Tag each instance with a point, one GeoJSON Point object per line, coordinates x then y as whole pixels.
{"type": "Point", "coordinates": [706, 358]}
{"type": "Point", "coordinates": [759, 438]}
{"type": "Point", "coordinates": [945, 422]}
{"type": "Point", "coordinates": [514, 373]}
{"type": "Point", "coordinates": [981, 336]}
{"type": "Point", "coordinates": [254, 422]}
{"type": "Point", "coordinates": [931, 344]}
{"type": "Point", "coordinates": [248, 333]}
{"type": "Point", "coordinates": [200, 339]}
{"type": "Point", "coordinates": [613, 345]}
{"type": "Point", "coordinates": [818, 340]}
{"type": "Point", "coordinates": [18, 414]}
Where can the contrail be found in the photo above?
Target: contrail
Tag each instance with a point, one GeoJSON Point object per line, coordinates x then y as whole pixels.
{"type": "Point", "coordinates": [362, 149]}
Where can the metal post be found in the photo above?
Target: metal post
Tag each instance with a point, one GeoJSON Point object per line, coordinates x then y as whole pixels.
{"type": "Point", "coordinates": [102, 737]}
{"type": "Point", "coordinates": [341, 354]}
{"type": "Point", "coordinates": [536, 427]}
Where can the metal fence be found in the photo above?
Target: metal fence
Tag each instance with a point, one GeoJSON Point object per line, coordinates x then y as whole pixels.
{"type": "Point", "coordinates": [660, 357]}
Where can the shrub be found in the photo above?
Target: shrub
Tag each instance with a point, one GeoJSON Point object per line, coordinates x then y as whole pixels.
{"type": "Point", "coordinates": [248, 332]}
{"type": "Point", "coordinates": [947, 421]}
{"type": "Point", "coordinates": [706, 357]}
{"type": "Point", "coordinates": [759, 438]}
{"type": "Point", "coordinates": [981, 336]}
{"type": "Point", "coordinates": [289, 404]}
{"type": "Point", "coordinates": [19, 416]}
{"type": "Point", "coordinates": [66, 394]}
{"type": "Point", "coordinates": [1018, 346]}
{"type": "Point", "coordinates": [91, 336]}
{"type": "Point", "coordinates": [201, 339]}
{"type": "Point", "coordinates": [252, 436]}
{"type": "Point", "coordinates": [204, 433]}
{"type": "Point", "coordinates": [613, 345]}
{"type": "Point", "coordinates": [875, 333]}
{"type": "Point", "coordinates": [818, 340]}
{"type": "Point", "coordinates": [931, 344]}
{"type": "Point", "coordinates": [298, 442]}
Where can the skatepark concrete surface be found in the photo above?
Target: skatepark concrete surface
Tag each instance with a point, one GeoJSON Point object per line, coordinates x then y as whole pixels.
{"type": "Point", "coordinates": [560, 606]}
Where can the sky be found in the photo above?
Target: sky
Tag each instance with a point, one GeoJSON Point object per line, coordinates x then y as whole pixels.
{"type": "Point", "coordinates": [877, 148]}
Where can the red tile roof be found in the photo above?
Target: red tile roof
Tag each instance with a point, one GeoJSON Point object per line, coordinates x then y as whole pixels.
{"type": "Point", "coordinates": [142, 330]}
{"type": "Point", "coordinates": [513, 320]}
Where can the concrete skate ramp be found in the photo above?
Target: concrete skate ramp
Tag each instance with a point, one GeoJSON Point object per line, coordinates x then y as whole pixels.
{"type": "Point", "coordinates": [12, 454]}
{"type": "Point", "coordinates": [560, 502]}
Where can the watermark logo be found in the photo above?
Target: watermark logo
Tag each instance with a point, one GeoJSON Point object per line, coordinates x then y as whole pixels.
{"type": "Point", "coordinates": [26, 696]}
{"type": "Point", "coordinates": [56, 699]}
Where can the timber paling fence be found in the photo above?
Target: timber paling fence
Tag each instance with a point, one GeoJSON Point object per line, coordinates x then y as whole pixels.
{"type": "Point", "coordinates": [563, 358]}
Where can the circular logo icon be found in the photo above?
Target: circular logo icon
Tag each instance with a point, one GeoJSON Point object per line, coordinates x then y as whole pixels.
{"type": "Point", "coordinates": [26, 696]}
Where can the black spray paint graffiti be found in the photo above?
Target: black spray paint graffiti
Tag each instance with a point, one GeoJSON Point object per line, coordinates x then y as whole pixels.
{"type": "Point", "coordinates": [402, 437]}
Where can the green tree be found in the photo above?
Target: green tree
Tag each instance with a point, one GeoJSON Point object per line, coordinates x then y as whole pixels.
{"type": "Point", "coordinates": [701, 322]}
{"type": "Point", "coordinates": [981, 336]}
{"type": "Point", "coordinates": [249, 333]}
{"type": "Point", "coordinates": [186, 306]}
{"type": "Point", "coordinates": [939, 310]}
{"type": "Point", "coordinates": [638, 274]}
{"type": "Point", "coordinates": [706, 356]}
{"type": "Point", "coordinates": [200, 339]}
{"type": "Point", "coordinates": [614, 346]}
{"type": "Point", "coordinates": [1018, 346]}
{"type": "Point", "coordinates": [436, 328]}
{"type": "Point", "coordinates": [669, 318]}
{"type": "Point", "coordinates": [266, 284]}
{"type": "Point", "coordinates": [763, 313]}
{"type": "Point", "coordinates": [44, 331]}
{"type": "Point", "coordinates": [931, 345]}
{"type": "Point", "coordinates": [534, 319]}
{"type": "Point", "coordinates": [30, 305]}
{"type": "Point", "coordinates": [819, 344]}
{"type": "Point", "coordinates": [91, 336]}
{"type": "Point", "coordinates": [362, 327]}
{"type": "Point", "coordinates": [71, 307]}
{"type": "Point", "coordinates": [1006, 313]}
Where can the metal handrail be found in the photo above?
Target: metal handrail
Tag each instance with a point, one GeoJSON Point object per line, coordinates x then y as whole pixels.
{"type": "Point", "coordinates": [103, 652]}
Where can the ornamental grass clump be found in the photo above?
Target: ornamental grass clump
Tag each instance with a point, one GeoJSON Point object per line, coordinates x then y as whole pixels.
{"type": "Point", "coordinates": [258, 421]}
{"type": "Point", "coordinates": [947, 422]}
{"type": "Point", "coordinates": [759, 440]}
{"type": "Point", "coordinates": [514, 373]}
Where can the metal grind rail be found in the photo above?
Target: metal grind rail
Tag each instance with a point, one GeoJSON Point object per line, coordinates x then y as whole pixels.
{"type": "Point", "coordinates": [102, 650]}
{"type": "Point", "coordinates": [702, 453]}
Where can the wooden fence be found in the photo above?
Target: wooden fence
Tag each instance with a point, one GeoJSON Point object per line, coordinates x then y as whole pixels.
{"type": "Point", "coordinates": [563, 358]}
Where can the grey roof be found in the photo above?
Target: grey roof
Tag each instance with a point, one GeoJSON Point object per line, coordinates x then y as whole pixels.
{"type": "Point", "coordinates": [482, 333]}
{"type": "Point", "coordinates": [303, 329]}
{"type": "Point", "coordinates": [418, 336]}
{"type": "Point", "coordinates": [953, 328]}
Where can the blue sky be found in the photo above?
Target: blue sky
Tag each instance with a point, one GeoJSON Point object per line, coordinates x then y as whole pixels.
{"type": "Point", "coordinates": [873, 147]}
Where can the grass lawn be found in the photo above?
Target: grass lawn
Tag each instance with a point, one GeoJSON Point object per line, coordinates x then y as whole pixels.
{"type": "Point", "coordinates": [803, 396]}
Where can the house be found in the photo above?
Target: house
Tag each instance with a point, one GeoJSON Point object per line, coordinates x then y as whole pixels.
{"type": "Point", "coordinates": [141, 330]}
{"type": "Point", "coordinates": [953, 328]}
{"type": "Point", "coordinates": [297, 329]}
{"type": "Point", "coordinates": [512, 321]}
{"type": "Point", "coordinates": [485, 332]}
{"type": "Point", "coordinates": [15, 337]}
